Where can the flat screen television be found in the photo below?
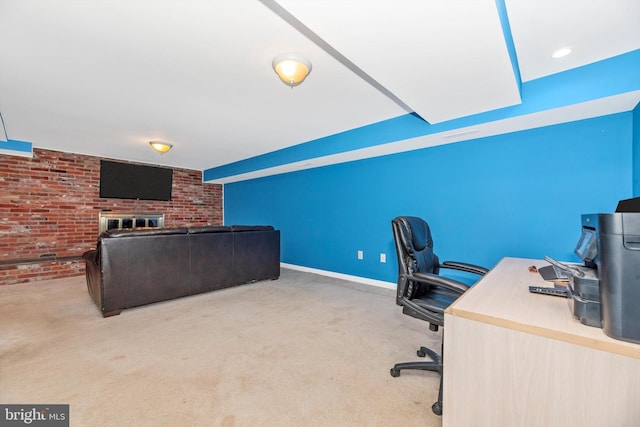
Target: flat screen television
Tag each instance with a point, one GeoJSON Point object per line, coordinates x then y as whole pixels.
{"type": "Point", "coordinates": [129, 181]}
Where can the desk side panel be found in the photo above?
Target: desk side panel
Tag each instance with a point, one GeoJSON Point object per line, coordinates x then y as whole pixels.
{"type": "Point", "coordinates": [496, 376]}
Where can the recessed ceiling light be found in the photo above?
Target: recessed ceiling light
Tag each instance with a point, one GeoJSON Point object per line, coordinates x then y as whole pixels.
{"type": "Point", "coordinates": [561, 53]}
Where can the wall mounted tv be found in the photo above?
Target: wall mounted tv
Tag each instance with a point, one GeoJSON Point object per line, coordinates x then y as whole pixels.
{"type": "Point", "coordinates": [129, 181]}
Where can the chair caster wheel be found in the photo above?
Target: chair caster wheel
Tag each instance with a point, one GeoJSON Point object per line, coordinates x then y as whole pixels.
{"type": "Point", "coordinates": [437, 408]}
{"type": "Point", "coordinates": [395, 372]}
{"type": "Point", "coordinates": [421, 353]}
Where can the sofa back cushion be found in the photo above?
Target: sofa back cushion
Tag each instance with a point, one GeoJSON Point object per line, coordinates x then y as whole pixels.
{"type": "Point", "coordinates": [211, 260]}
{"type": "Point", "coordinates": [150, 231]}
{"type": "Point", "coordinates": [202, 229]}
{"type": "Point", "coordinates": [139, 268]}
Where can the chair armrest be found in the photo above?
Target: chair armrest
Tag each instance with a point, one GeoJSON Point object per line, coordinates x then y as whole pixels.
{"type": "Point", "coordinates": [433, 316]}
{"type": "Point", "coordinates": [463, 266]}
{"type": "Point", "coordinates": [434, 279]}
{"type": "Point", "coordinates": [448, 289]}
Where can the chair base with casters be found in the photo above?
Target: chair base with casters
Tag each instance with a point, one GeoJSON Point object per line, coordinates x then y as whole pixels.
{"type": "Point", "coordinates": [435, 365]}
{"type": "Point", "coordinates": [421, 291]}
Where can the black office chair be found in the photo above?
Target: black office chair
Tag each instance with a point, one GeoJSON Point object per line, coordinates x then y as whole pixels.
{"type": "Point", "coordinates": [421, 292]}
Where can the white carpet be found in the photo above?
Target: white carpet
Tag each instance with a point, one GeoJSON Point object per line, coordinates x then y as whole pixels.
{"type": "Point", "coordinates": [304, 350]}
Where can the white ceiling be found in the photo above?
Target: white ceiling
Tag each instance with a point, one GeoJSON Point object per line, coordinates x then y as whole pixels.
{"type": "Point", "coordinates": [104, 77]}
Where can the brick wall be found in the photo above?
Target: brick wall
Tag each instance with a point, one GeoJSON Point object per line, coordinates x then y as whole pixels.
{"type": "Point", "coordinates": [49, 207]}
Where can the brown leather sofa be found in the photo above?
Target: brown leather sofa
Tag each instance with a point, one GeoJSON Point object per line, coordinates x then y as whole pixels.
{"type": "Point", "coordinates": [130, 268]}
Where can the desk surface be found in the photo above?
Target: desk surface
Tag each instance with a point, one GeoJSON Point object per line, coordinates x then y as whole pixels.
{"type": "Point", "coordinates": [502, 298]}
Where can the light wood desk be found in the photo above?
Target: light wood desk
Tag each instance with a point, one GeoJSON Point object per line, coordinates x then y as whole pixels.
{"type": "Point", "coordinates": [513, 358]}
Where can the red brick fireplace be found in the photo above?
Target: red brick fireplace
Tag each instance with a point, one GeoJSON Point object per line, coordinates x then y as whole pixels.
{"type": "Point", "coordinates": [50, 204]}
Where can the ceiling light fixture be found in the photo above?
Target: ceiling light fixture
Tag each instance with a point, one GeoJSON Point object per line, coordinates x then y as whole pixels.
{"type": "Point", "coordinates": [160, 146]}
{"type": "Point", "coordinates": [561, 53]}
{"type": "Point", "coordinates": [291, 68]}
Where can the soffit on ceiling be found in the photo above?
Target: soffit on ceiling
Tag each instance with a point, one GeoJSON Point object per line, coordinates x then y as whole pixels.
{"type": "Point", "coordinates": [105, 77]}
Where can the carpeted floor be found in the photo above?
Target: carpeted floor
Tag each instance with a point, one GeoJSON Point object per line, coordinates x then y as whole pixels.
{"type": "Point", "coordinates": [304, 350]}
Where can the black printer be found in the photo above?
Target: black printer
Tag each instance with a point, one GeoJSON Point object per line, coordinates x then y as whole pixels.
{"type": "Point", "coordinates": [607, 294]}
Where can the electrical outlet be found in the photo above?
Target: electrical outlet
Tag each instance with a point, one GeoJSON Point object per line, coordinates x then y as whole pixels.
{"type": "Point", "coordinates": [360, 255]}
{"type": "Point", "coordinates": [383, 258]}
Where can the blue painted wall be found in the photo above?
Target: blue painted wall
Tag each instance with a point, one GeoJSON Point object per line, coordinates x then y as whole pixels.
{"type": "Point", "coordinates": [13, 146]}
{"type": "Point", "coordinates": [636, 151]}
{"type": "Point", "coordinates": [518, 194]}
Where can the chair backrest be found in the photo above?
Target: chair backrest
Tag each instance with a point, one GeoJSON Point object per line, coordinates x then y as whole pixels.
{"type": "Point", "coordinates": [414, 248]}
{"type": "Point", "coordinates": [414, 245]}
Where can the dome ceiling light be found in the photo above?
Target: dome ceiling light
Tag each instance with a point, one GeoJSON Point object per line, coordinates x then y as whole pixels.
{"type": "Point", "coordinates": [160, 146]}
{"type": "Point", "coordinates": [291, 68]}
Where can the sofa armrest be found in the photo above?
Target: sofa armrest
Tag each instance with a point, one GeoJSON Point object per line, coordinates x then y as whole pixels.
{"type": "Point", "coordinates": [91, 256]}
{"type": "Point", "coordinates": [93, 275]}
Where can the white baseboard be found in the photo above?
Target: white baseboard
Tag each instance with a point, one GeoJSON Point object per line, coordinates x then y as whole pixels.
{"type": "Point", "coordinates": [358, 279]}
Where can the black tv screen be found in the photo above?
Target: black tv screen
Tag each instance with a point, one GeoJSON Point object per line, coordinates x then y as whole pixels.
{"type": "Point", "coordinates": [129, 181]}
